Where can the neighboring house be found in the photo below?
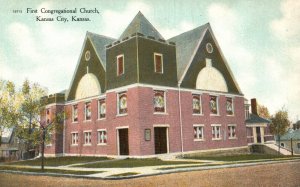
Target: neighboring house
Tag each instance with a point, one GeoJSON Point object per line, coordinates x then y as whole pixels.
{"type": "Point", "coordinates": [9, 144]}
{"type": "Point", "coordinates": [292, 137]}
{"type": "Point", "coordinates": [141, 94]}
{"type": "Point", "coordinates": [296, 125]}
{"type": "Point", "coordinates": [258, 128]}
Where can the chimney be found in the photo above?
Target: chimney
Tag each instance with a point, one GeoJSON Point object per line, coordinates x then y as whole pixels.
{"type": "Point", "coordinates": [253, 106]}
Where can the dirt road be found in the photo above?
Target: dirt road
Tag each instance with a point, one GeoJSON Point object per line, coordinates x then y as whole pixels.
{"type": "Point", "coordinates": [284, 174]}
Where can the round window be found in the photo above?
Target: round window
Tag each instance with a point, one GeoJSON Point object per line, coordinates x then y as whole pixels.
{"type": "Point", "coordinates": [209, 48]}
{"type": "Point", "coordinates": [87, 55]}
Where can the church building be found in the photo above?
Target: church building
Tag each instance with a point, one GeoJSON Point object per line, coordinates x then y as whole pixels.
{"type": "Point", "coordinates": [141, 94]}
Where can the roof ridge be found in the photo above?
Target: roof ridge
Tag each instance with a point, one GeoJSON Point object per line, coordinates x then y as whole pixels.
{"type": "Point", "coordinates": [201, 26]}
{"type": "Point", "coordinates": [103, 36]}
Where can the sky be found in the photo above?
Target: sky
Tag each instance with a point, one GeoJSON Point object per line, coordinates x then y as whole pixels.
{"type": "Point", "coordinates": [260, 40]}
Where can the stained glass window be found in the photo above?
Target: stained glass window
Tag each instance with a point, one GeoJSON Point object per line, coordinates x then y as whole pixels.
{"type": "Point", "coordinates": [213, 103]}
{"type": "Point", "coordinates": [75, 113]}
{"type": "Point", "coordinates": [102, 108]}
{"type": "Point", "coordinates": [196, 104]}
{"type": "Point", "coordinates": [122, 103]}
{"type": "Point", "coordinates": [229, 106]}
{"type": "Point", "coordinates": [88, 112]}
{"type": "Point", "coordinates": [159, 101]}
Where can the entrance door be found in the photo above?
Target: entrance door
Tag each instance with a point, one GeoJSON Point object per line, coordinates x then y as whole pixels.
{"type": "Point", "coordinates": [258, 134]}
{"type": "Point", "coordinates": [123, 142]}
{"type": "Point", "coordinates": [160, 140]}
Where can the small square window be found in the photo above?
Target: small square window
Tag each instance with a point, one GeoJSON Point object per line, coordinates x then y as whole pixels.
{"type": "Point", "coordinates": [158, 63]}
{"type": "Point", "coordinates": [213, 103]}
{"type": "Point", "coordinates": [122, 103]}
{"type": "Point", "coordinates": [198, 132]}
{"type": "Point", "coordinates": [231, 131]}
{"type": "Point", "coordinates": [88, 111]}
{"type": "Point", "coordinates": [102, 137]}
{"type": "Point", "coordinates": [216, 132]}
{"type": "Point", "coordinates": [87, 138]}
{"type": "Point", "coordinates": [75, 113]}
{"type": "Point", "coordinates": [159, 101]}
{"type": "Point", "coordinates": [101, 109]}
{"type": "Point", "coordinates": [120, 65]}
{"type": "Point", "coordinates": [229, 106]}
{"type": "Point", "coordinates": [74, 140]}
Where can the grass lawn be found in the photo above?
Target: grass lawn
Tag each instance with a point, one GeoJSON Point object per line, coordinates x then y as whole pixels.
{"type": "Point", "coordinates": [124, 174]}
{"type": "Point", "coordinates": [48, 170]}
{"type": "Point", "coordinates": [240, 157]}
{"type": "Point", "coordinates": [59, 161]}
{"type": "Point", "coordinates": [130, 162]}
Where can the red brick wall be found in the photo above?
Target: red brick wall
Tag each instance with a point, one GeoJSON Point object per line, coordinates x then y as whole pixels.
{"type": "Point", "coordinates": [141, 116]}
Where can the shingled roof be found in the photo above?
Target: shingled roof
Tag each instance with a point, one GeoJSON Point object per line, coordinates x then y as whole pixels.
{"type": "Point", "coordinates": [186, 43]}
{"type": "Point", "coordinates": [140, 24]}
{"type": "Point", "coordinates": [99, 42]}
{"type": "Point", "coordinates": [254, 119]}
{"type": "Point", "coordinates": [287, 136]}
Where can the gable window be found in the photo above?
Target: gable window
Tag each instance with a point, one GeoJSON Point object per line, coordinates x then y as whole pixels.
{"type": "Point", "coordinates": [159, 101]}
{"type": "Point", "coordinates": [120, 65]}
{"type": "Point", "coordinates": [231, 131]}
{"type": "Point", "coordinates": [229, 106]}
{"type": "Point", "coordinates": [102, 137]}
{"type": "Point", "coordinates": [88, 112]}
{"type": "Point", "coordinates": [74, 140]}
{"type": "Point", "coordinates": [122, 103]}
{"type": "Point", "coordinates": [101, 109]}
{"type": "Point", "coordinates": [87, 138]}
{"type": "Point", "coordinates": [75, 113]}
{"type": "Point", "coordinates": [198, 132]}
{"type": "Point", "coordinates": [213, 103]}
{"type": "Point", "coordinates": [158, 63]}
{"type": "Point", "coordinates": [216, 132]}
{"type": "Point", "coordinates": [197, 109]}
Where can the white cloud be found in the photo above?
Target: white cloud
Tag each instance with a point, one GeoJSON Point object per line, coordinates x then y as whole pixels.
{"type": "Point", "coordinates": [168, 32]}
{"type": "Point", "coordinates": [5, 71]}
{"type": "Point", "coordinates": [115, 22]}
{"type": "Point", "coordinates": [288, 27]}
{"type": "Point", "coordinates": [286, 30]}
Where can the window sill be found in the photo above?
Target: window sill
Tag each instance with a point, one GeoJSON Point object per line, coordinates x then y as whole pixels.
{"type": "Point", "coordinates": [161, 113]}
{"type": "Point", "coordinates": [198, 114]}
{"type": "Point", "coordinates": [199, 140]}
{"type": "Point", "coordinates": [101, 119]}
{"type": "Point", "coordinates": [49, 145]}
{"type": "Point", "coordinates": [217, 139]}
{"type": "Point", "coordinates": [87, 121]}
{"type": "Point", "coordinates": [232, 115]}
{"type": "Point", "coordinates": [74, 145]}
{"type": "Point", "coordinates": [120, 115]}
{"type": "Point", "coordinates": [214, 114]}
{"type": "Point", "coordinates": [232, 138]}
{"type": "Point", "coordinates": [102, 144]}
{"type": "Point", "coordinates": [87, 144]}
{"type": "Point", "coordinates": [74, 122]}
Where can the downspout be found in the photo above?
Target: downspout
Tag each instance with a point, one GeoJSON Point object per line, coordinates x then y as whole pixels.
{"type": "Point", "coordinates": [64, 131]}
{"type": "Point", "coordinates": [180, 117]}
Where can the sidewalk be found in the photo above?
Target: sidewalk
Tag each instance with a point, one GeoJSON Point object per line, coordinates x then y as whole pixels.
{"type": "Point", "coordinates": [107, 173]}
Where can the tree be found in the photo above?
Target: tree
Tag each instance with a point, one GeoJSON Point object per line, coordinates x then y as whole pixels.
{"type": "Point", "coordinates": [279, 125]}
{"type": "Point", "coordinates": [263, 111]}
{"type": "Point", "coordinates": [9, 104]}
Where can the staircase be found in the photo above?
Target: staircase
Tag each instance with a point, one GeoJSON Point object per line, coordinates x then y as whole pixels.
{"type": "Point", "coordinates": [274, 146]}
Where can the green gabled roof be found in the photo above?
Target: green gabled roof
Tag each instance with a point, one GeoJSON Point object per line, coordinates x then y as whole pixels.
{"type": "Point", "coordinates": [287, 136]}
{"type": "Point", "coordinates": [140, 24]}
{"type": "Point", "coordinates": [186, 44]}
{"type": "Point", "coordinates": [256, 119]}
{"type": "Point", "coordinates": [99, 42]}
